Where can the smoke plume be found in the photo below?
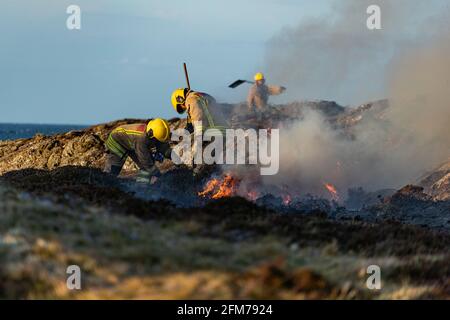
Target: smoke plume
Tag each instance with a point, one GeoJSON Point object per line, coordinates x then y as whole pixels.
{"type": "Point", "coordinates": [336, 57]}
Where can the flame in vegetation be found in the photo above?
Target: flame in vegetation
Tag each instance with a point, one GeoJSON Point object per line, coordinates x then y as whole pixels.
{"type": "Point", "coordinates": [287, 199]}
{"type": "Point", "coordinates": [286, 196]}
{"type": "Point", "coordinates": [332, 190]}
{"type": "Point", "coordinates": [220, 188]}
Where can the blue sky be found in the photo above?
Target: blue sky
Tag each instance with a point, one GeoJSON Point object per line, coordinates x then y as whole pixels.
{"type": "Point", "coordinates": [127, 58]}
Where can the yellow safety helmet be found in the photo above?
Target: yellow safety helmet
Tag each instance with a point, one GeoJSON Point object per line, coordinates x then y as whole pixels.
{"type": "Point", "coordinates": [178, 98]}
{"type": "Point", "coordinates": [259, 76]}
{"type": "Point", "coordinates": [160, 129]}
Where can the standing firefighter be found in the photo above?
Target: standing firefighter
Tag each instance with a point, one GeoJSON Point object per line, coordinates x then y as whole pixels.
{"type": "Point", "coordinates": [144, 143]}
{"type": "Point", "coordinates": [259, 93]}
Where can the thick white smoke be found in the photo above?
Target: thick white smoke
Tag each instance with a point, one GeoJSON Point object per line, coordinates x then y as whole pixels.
{"type": "Point", "coordinates": [338, 58]}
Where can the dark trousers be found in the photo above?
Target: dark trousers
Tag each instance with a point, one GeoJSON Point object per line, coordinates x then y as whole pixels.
{"type": "Point", "coordinates": [114, 163]}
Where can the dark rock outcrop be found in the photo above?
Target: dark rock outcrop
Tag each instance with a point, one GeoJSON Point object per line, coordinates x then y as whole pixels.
{"type": "Point", "coordinates": [412, 205]}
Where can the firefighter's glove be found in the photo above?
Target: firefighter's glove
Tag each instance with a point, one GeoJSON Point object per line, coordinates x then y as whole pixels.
{"type": "Point", "coordinates": [158, 156]}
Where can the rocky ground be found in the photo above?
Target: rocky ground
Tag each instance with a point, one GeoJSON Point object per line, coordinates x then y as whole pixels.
{"type": "Point", "coordinates": [80, 148]}
{"type": "Point", "coordinates": [437, 182]}
{"type": "Point", "coordinates": [57, 208]}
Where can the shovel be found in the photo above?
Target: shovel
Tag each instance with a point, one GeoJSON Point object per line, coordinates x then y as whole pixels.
{"type": "Point", "coordinates": [237, 83]}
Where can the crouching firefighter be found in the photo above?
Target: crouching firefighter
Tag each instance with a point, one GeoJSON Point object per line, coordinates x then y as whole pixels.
{"type": "Point", "coordinates": [203, 113]}
{"type": "Point", "coordinates": [144, 143]}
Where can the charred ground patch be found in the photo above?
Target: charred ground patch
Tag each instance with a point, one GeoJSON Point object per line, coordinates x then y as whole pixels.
{"type": "Point", "coordinates": [234, 218]}
{"type": "Point", "coordinates": [228, 248]}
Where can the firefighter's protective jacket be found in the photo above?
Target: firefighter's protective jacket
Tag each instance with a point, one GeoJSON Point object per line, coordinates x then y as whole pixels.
{"type": "Point", "coordinates": [132, 140]}
{"type": "Point", "coordinates": [204, 113]}
{"type": "Point", "coordinates": [258, 95]}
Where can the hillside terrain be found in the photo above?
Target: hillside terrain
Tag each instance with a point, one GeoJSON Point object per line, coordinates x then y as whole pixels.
{"type": "Point", "coordinates": [134, 241]}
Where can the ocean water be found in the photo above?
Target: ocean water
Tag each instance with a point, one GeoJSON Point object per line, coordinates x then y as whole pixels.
{"type": "Point", "coordinates": [11, 131]}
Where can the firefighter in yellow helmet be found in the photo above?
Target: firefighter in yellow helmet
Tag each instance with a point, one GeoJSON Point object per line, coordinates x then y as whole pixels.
{"type": "Point", "coordinates": [203, 112]}
{"type": "Point", "coordinates": [259, 93]}
{"type": "Point", "coordinates": [144, 143]}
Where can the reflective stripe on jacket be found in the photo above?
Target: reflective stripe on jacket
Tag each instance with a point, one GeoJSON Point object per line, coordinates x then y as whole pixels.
{"type": "Point", "coordinates": [205, 113]}
{"type": "Point", "coordinates": [132, 140]}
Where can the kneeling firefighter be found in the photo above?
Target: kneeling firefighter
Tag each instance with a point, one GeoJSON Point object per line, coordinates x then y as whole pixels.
{"type": "Point", "coordinates": [144, 143]}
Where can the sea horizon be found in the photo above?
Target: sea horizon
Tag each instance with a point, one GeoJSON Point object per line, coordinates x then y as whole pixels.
{"type": "Point", "coordinates": [13, 131]}
{"type": "Point", "coordinates": [46, 124]}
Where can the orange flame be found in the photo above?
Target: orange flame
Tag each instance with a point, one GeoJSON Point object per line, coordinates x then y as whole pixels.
{"type": "Point", "coordinates": [286, 196]}
{"type": "Point", "coordinates": [220, 188]}
{"type": "Point", "coordinates": [287, 199]}
{"type": "Point", "coordinates": [332, 190]}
